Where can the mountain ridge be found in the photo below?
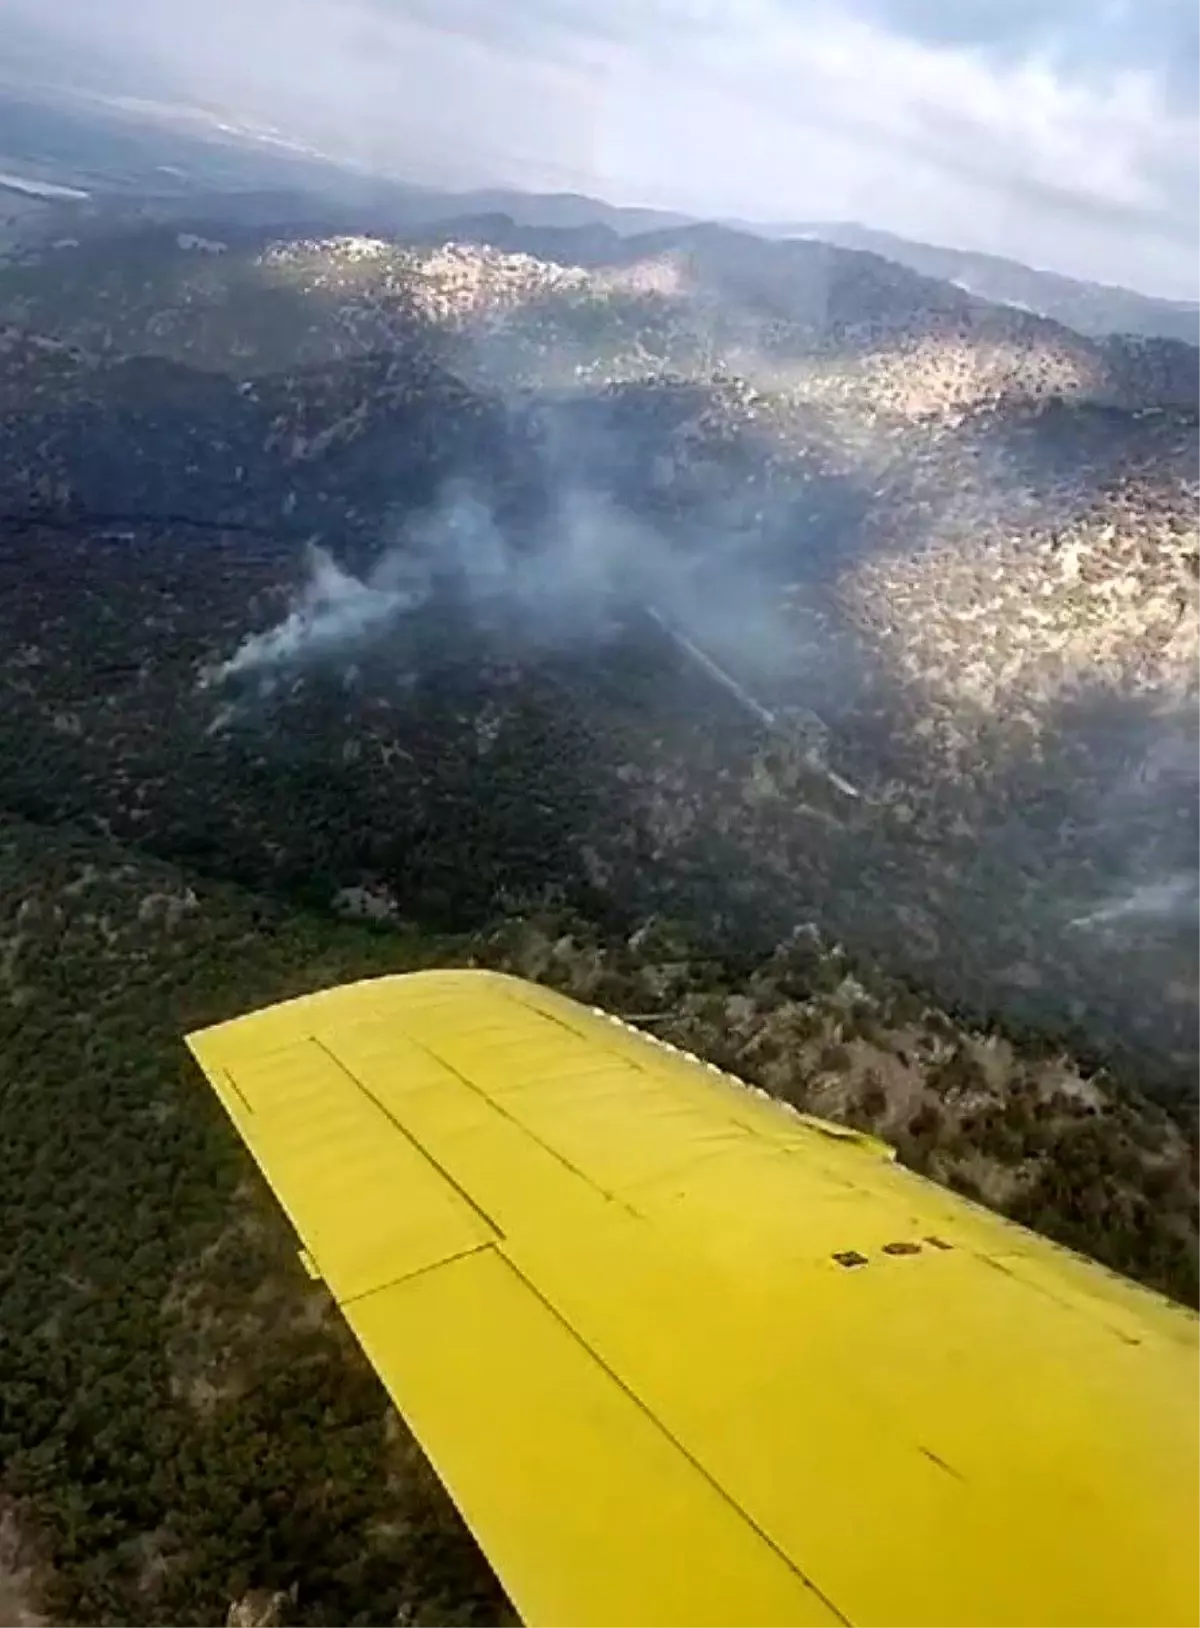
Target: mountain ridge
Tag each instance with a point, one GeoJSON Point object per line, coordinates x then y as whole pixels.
{"type": "Point", "coordinates": [1091, 307]}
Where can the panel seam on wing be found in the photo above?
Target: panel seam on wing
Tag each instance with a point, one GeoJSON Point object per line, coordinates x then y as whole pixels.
{"type": "Point", "coordinates": [408, 1136]}
{"type": "Point", "coordinates": [513, 1119]}
{"type": "Point", "coordinates": [243, 1100]}
{"type": "Point", "coordinates": [417, 1272]}
{"type": "Point", "coordinates": [643, 1407]}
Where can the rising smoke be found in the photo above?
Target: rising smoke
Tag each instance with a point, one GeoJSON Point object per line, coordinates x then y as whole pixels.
{"type": "Point", "coordinates": [1173, 899]}
{"type": "Point", "coordinates": [333, 614]}
{"type": "Point", "coordinates": [570, 584]}
{"type": "Point", "coordinates": [1149, 818]}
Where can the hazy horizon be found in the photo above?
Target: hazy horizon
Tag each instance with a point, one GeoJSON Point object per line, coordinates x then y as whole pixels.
{"type": "Point", "coordinates": [1060, 135]}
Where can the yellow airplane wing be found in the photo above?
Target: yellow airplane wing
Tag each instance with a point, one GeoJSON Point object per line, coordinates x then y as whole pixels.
{"type": "Point", "coordinates": [683, 1356]}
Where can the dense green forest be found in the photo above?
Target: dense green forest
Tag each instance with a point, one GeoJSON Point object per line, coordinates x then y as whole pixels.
{"type": "Point", "coordinates": [181, 1418]}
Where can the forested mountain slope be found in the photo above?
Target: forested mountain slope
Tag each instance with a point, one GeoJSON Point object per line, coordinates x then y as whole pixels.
{"type": "Point", "coordinates": [788, 651]}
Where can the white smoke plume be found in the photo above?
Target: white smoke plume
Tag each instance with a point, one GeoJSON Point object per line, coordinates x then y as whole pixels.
{"type": "Point", "coordinates": [557, 586]}
{"type": "Point", "coordinates": [1169, 900]}
{"type": "Point", "coordinates": [334, 612]}
{"type": "Point", "coordinates": [1154, 883]}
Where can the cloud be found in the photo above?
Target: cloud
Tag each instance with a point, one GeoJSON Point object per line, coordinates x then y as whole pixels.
{"type": "Point", "coordinates": [1061, 132]}
{"type": "Point", "coordinates": [1082, 39]}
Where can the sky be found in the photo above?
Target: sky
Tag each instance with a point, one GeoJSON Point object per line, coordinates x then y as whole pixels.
{"type": "Point", "coordinates": [1063, 133]}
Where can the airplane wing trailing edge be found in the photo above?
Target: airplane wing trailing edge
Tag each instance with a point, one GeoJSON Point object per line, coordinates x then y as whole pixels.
{"type": "Point", "coordinates": [684, 1356]}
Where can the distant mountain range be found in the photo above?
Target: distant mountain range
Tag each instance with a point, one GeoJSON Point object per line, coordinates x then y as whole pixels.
{"type": "Point", "coordinates": [1095, 309]}
{"type": "Point", "coordinates": [1090, 308]}
{"type": "Point", "coordinates": [146, 161]}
